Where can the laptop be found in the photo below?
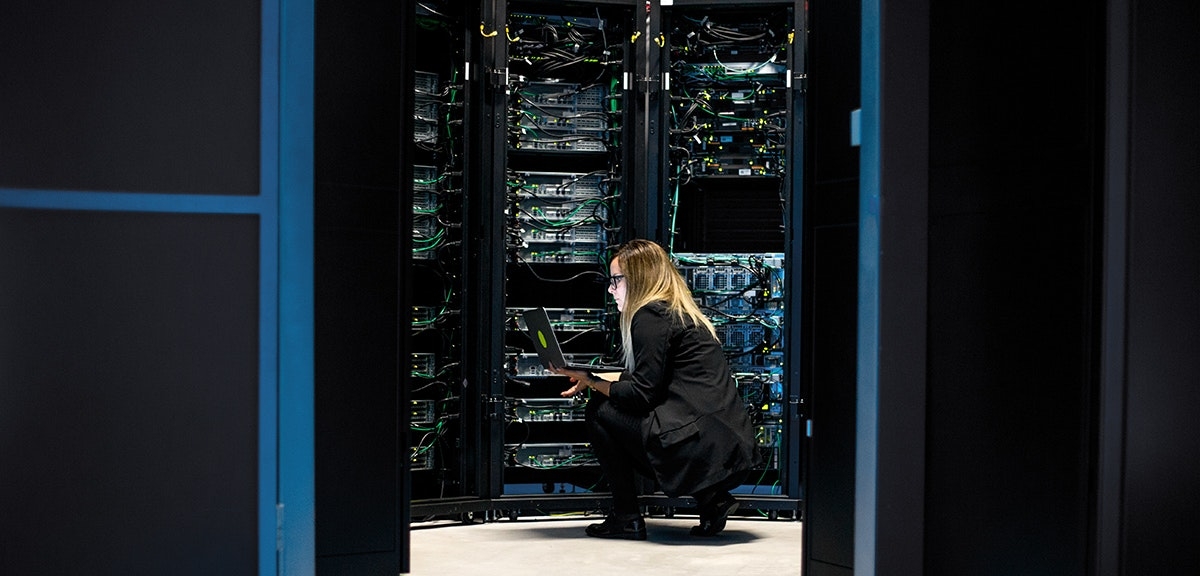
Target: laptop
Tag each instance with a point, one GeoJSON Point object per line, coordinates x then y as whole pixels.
{"type": "Point", "coordinates": [547, 347]}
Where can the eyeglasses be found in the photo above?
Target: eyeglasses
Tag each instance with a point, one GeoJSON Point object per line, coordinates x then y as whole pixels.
{"type": "Point", "coordinates": [615, 279]}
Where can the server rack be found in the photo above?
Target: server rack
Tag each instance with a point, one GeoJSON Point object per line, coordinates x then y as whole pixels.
{"type": "Point", "coordinates": [441, 386]}
{"type": "Point", "coordinates": [569, 140]}
{"type": "Point", "coordinates": [543, 136]}
{"type": "Point", "coordinates": [731, 202]}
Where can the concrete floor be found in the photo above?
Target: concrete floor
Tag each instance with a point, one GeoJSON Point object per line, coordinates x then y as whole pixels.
{"type": "Point", "coordinates": [535, 545]}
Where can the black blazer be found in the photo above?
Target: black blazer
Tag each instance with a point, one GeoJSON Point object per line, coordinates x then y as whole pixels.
{"type": "Point", "coordinates": [696, 430]}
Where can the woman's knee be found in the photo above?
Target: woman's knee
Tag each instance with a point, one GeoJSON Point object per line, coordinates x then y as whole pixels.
{"type": "Point", "coordinates": [597, 403]}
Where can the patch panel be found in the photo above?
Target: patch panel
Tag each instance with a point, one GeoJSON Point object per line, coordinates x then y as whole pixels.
{"type": "Point", "coordinates": [422, 458]}
{"type": "Point", "coordinates": [559, 143]}
{"type": "Point", "coordinates": [425, 83]}
{"type": "Point", "coordinates": [425, 178]}
{"type": "Point", "coordinates": [760, 384]}
{"type": "Point", "coordinates": [562, 212]}
{"type": "Point", "coordinates": [732, 73]}
{"type": "Point", "coordinates": [769, 435]}
{"type": "Point", "coordinates": [426, 108]}
{"type": "Point", "coordinates": [426, 230]}
{"type": "Point", "coordinates": [425, 121]}
{"type": "Point", "coordinates": [422, 412]}
{"type": "Point", "coordinates": [558, 185]}
{"type": "Point", "coordinates": [565, 319]}
{"type": "Point", "coordinates": [520, 20]}
{"type": "Point", "coordinates": [739, 337]}
{"type": "Point", "coordinates": [547, 409]}
{"type": "Point", "coordinates": [530, 365]}
{"type": "Point", "coordinates": [563, 253]}
{"type": "Point", "coordinates": [730, 305]}
{"type": "Point", "coordinates": [424, 202]}
{"type": "Point", "coordinates": [772, 360]}
{"type": "Point", "coordinates": [423, 364]}
{"type": "Point", "coordinates": [548, 456]}
{"type": "Point", "coordinates": [423, 317]}
{"type": "Point", "coordinates": [577, 234]}
{"type": "Point", "coordinates": [733, 272]}
{"type": "Point", "coordinates": [556, 96]}
{"type": "Point", "coordinates": [564, 123]}
{"type": "Point", "coordinates": [558, 116]}
{"type": "Point", "coordinates": [425, 226]}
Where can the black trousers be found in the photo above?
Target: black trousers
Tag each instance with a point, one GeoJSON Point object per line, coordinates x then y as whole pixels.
{"type": "Point", "coordinates": [617, 440]}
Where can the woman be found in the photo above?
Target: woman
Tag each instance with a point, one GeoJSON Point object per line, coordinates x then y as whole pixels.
{"type": "Point", "coordinates": [674, 414]}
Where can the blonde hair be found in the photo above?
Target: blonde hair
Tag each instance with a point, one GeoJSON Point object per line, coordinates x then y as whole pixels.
{"type": "Point", "coordinates": [650, 276]}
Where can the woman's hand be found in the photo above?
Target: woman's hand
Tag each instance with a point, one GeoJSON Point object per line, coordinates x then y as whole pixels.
{"type": "Point", "coordinates": [579, 381]}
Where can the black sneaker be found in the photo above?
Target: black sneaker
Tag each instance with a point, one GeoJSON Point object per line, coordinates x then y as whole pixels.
{"type": "Point", "coordinates": [624, 527]}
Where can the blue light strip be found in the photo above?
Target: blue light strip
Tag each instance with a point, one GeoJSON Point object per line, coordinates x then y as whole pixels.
{"type": "Point", "coordinates": [867, 418]}
{"type": "Point", "coordinates": [131, 201]}
{"type": "Point", "coordinates": [296, 332]}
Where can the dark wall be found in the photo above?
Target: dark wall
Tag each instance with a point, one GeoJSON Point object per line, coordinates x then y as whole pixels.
{"type": "Point", "coordinates": [153, 97]}
{"type": "Point", "coordinates": [129, 341]}
{"type": "Point", "coordinates": [1160, 500]}
{"type": "Point", "coordinates": [1013, 319]}
{"type": "Point", "coordinates": [128, 393]}
{"type": "Point", "coordinates": [357, 177]}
